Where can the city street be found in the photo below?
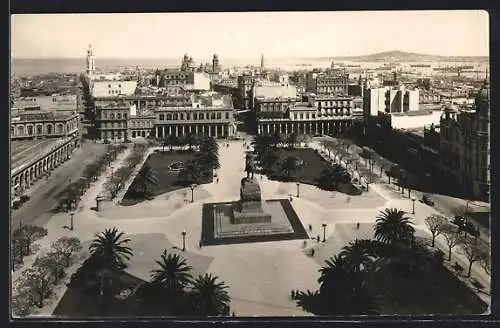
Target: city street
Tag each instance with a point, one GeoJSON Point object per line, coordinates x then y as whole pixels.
{"type": "Point", "coordinates": [444, 204]}
{"type": "Point", "coordinates": [43, 194]}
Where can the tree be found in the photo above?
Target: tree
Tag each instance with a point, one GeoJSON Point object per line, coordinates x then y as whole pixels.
{"type": "Point", "coordinates": [144, 179]}
{"type": "Point", "coordinates": [22, 300]}
{"type": "Point", "coordinates": [276, 140]}
{"type": "Point", "coordinates": [291, 140]}
{"type": "Point", "coordinates": [392, 227]}
{"type": "Point", "coordinates": [267, 160]}
{"type": "Point", "coordinates": [28, 234]}
{"type": "Point", "coordinates": [289, 165]}
{"type": "Point", "coordinates": [208, 155]}
{"type": "Point", "coordinates": [331, 176]}
{"type": "Point", "coordinates": [170, 141]}
{"type": "Point", "coordinates": [190, 173]}
{"type": "Point", "coordinates": [435, 222]}
{"type": "Point", "coordinates": [210, 297]}
{"type": "Point", "coordinates": [66, 247]}
{"type": "Point", "coordinates": [191, 140]}
{"type": "Point", "coordinates": [53, 263]}
{"type": "Point", "coordinates": [18, 250]}
{"type": "Point", "coordinates": [475, 250]}
{"type": "Point", "coordinates": [358, 255]}
{"type": "Point", "coordinates": [173, 273]}
{"type": "Point", "coordinates": [38, 282]}
{"type": "Point", "coordinates": [111, 248]}
{"type": "Point", "coordinates": [451, 237]}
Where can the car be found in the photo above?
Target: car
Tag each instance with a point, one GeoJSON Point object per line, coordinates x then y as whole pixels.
{"type": "Point", "coordinates": [426, 199]}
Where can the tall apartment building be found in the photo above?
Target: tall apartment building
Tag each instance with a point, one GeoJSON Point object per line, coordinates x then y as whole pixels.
{"type": "Point", "coordinates": [465, 146]}
{"type": "Point", "coordinates": [245, 89]}
{"type": "Point", "coordinates": [390, 100]}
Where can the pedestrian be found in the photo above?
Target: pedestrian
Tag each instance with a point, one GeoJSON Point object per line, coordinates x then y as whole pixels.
{"type": "Point", "coordinates": [357, 226]}
{"type": "Point", "coordinates": [317, 238]}
{"type": "Point", "coordinates": [310, 227]}
{"type": "Point", "coordinates": [304, 244]}
{"type": "Point", "coordinates": [293, 294]}
{"type": "Point", "coordinates": [312, 252]}
{"type": "Point", "coordinates": [200, 244]}
{"type": "Point", "coordinates": [217, 180]}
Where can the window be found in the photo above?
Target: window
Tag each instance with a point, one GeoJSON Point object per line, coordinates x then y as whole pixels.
{"type": "Point", "coordinates": [195, 116]}
{"type": "Point", "coordinates": [219, 116]}
{"type": "Point", "coordinates": [119, 85]}
{"type": "Point", "coordinates": [202, 116]}
{"type": "Point", "coordinates": [169, 117]}
{"type": "Point", "coordinates": [212, 116]}
{"type": "Point", "coordinates": [119, 116]}
{"type": "Point", "coordinates": [181, 116]}
{"type": "Point", "coordinates": [162, 117]}
{"type": "Point", "coordinates": [112, 116]}
{"type": "Point", "coordinates": [125, 115]}
{"type": "Point", "coordinates": [39, 129]}
{"type": "Point", "coordinates": [176, 117]}
{"type": "Point", "coordinates": [30, 130]}
{"type": "Point", "coordinates": [109, 85]}
{"type": "Point", "coordinates": [20, 130]}
{"type": "Point", "coordinates": [227, 116]}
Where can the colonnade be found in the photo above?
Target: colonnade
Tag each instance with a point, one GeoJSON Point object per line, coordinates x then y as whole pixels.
{"type": "Point", "coordinates": [329, 127]}
{"type": "Point", "coordinates": [211, 130]}
{"type": "Point", "coordinates": [22, 180]}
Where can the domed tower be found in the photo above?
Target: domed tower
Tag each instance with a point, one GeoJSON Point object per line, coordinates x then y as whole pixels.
{"type": "Point", "coordinates": [215, 64]}
{"type": "Point", "coordinates": [90, 61]}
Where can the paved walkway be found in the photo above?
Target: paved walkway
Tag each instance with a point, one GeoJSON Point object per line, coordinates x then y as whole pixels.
{"type": "Point", "coordinates": [260, 275]}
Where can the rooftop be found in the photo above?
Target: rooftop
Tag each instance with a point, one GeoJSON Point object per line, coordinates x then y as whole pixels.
{"type": "Point", "coordinates": [43, 115]}
{"type": "Point", "coordinates": [23, 151]}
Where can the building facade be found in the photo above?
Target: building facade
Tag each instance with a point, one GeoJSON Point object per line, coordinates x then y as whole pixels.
{"type": "Point", "coordinates": [111, 121]}
{"type": "Point", "coordinates": [42, 124]}
{"type": "Point", "coordinates": [332, 82]}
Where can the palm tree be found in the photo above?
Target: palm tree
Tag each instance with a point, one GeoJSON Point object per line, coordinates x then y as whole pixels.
{"type": "Point", "coordinates": [173, 273]}
{"type": "Point", "coordinates": [289, 166]}
{"type": "Point", "coordinates": [359, 255]}
{"type": "Point", "coordinates": [343, 291]}
{"type": "Point", "coordinates": [392, 227]}
{"type": "Point", "coordinates": [210, 297]}
{"type": "Point", "coordinates": [111, 248]}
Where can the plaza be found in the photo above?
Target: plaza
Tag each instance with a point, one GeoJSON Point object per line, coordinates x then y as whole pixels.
{"type": "Point", "coordinates": [272, 268]}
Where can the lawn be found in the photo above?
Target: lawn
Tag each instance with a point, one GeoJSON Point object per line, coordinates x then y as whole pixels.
{"type": "Point", "coordinates": [309, 171]}
{"type": "Point", "coordinates": [438, 292]}
{"type": "Point", "coordinates": [167, 180]}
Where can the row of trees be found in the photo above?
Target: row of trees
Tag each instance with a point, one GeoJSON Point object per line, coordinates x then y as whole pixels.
{"type": "Point", "coordinates": [35, 284]}
{"type": "Point", "coordinates": [171, 140]}
{"type": "Point", "coordinates": [117, 179]}
{"type": "Point", "coordinates": [472, 247]}
{"type": "Point", "coordinates": [172, 290]}
{"type": "Point", "coordinates": [348, 281]}
{"type": "Point", "coordinates": [72, 194]}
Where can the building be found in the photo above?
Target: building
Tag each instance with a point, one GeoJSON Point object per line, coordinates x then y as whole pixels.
{"type": "Point", "coordinates": [111, 120]}
{"type": "Point", "coordinates": [90, 62]}
{"type": "Point", "coordinates": [215, 64]}
{"type": "Point", "coordinates": [465, 146]}
{"type": "Point", "coordinates": [390, 100]}
{"type": "Point", "coordinates": [141, 126]}
{"type": "Point", "coordinates": [245, 85]}
{"type": "Point", "coordinates": [332, 82]}
{"type": "Point", "coordinates": [101, 89]}
{"type": "Point", "coordinates": [29, 125]}
{"type": "Point", "coordinates": [211, 115]}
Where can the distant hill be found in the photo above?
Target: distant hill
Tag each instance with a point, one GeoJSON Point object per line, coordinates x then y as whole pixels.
{"type": "Point", "coordinates": [401, 56]}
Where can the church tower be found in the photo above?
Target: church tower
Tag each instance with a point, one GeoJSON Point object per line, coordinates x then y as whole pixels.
{"type": "Point", "coordinates": [262, 62]}
{"type": "Point", "coordinates": [215, 64]}
{"type": "Point", "coordinates": [90, 62]}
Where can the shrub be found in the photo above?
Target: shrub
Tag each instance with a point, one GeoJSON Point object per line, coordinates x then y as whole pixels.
{"type": "Point", "coordinates": [24, 198]}
{"type": "Point", "coordinates": [16, 204]}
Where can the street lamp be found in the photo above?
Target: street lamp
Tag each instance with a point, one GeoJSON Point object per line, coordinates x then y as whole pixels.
{"type": "Point", "coordinates": [192, 192]}
{"type": "Point", "coordinates": [413, 208]}
{"type": "Point", "coordinates": [71, 220]}
{"type": "Point", "coordinates": [183, 240]}
{"type": "Point", "coordinates": [324, 231]}
{"type": "Point", "coordinates": [298, 184]}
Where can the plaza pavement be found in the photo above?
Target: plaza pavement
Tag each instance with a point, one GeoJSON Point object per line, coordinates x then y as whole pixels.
{"type": "Point", "coordinates": [260, 275]}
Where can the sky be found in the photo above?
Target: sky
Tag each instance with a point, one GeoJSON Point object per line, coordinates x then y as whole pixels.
{"type": "Point", "coordinates": [245, 35]}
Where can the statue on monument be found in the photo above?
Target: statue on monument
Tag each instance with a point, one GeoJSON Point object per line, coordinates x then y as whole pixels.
{"type": "Point", "coordinates": [249, 166]}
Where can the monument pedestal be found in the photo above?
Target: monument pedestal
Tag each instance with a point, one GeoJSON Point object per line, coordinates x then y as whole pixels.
{"type": "Point", "coordinates": [250, 204]}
